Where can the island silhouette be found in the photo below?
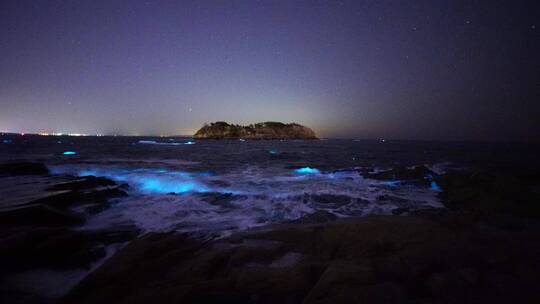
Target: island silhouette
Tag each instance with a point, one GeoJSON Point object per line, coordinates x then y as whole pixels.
{"type": "Point", "coordinates": [262, 130]}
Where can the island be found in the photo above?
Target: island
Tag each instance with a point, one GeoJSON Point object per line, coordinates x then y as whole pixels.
{"type": "Point", "coordinates": [262, 130]}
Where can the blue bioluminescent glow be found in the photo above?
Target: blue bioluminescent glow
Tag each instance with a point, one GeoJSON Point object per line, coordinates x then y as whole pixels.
{"type": "Point", "coordinates": [158, 185]}
{"type": "Point", "coordinates": [241, 139]}
{"type": "Point", "coordinates": [7, 141]}
{"type": "Point", "coordinates": [435, 186]}
{"type": "Point", "coordinates": [147, 142]}
{"type": "Point", "coordinates": [273, 152]}
{"type": "Point", "coordinates": [393, 182]}
{"type": "Point", "coordinates": [307, 170]}
{"type": "Point", "coordinates": [69, 153]}
{"type": "Point", "coordinates": [154, 181]}
{"type": "Point", "coordinates": [189, 142]}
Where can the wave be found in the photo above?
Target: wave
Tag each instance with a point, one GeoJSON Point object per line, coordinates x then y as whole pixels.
{"type": "Point", "coordinates": [169, 199]}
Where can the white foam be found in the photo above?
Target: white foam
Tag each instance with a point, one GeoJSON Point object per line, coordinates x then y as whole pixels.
{"type": "Point", "coordinates": [257, 196]}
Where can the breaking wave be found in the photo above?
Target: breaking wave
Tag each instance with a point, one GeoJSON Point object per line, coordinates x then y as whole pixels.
{"type": "Point", "coordinates": [177, 198]}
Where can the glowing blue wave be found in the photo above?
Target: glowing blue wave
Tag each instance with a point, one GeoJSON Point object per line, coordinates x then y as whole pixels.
{"type": "Point", "coordinates": [307, 170]}
{"type": "Point", "coordinates": [392, 182]}
{"type": "Point", "coordinates": [154, 181]}
{"type": "Point", "coordinates": [435, 186]}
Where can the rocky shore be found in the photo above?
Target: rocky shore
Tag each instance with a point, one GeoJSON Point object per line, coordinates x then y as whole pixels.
{"type": "Point", "coordinates": [483, 247]}
{"type": "Point", "coordinates": [264, 130]}
{"type": "Point", "coordinates": [41, 235]}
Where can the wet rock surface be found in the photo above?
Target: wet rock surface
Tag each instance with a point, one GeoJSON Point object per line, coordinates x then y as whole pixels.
{"type": "Point", "coordinates": [85, 183]}
{"type": "Point", "coordinates": [40, 215]}
{"type": "Point", "coordinates": [43, 234]}
{"type": "Point", "coordinates": [379, 259]}
{"type": "Point", "coordinates": [474, 251]}
{"type": "Point", "coordinates": [484, 247]}
{"type": "Point", "coordinates": [56, 248]}
{"type": "Point", "coordinates": [56, 209]}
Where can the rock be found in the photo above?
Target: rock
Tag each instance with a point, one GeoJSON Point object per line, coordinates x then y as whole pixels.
{"type": "Point", "coordinates": [448, 284]}
{"type": "Point", "coordinates": [264, 130]}
{"type": "Point", "coordinates": [490, 193]}
{"type": "Point", "coordinates": [386, 292]}
{"type": "Point", "coordinates": [56, 209]}
{"type": "Point", "coordinates": [57, 248]}
{"type": "Point", "coordinates": [38, 238]}
{"type": "Point", "coordinates": [418, 174]}
{"type": "Point", "coordinates": [40, 215]}
{"type": "Point", "coordinates": [85, 183]}
{"type": "Point", "coordinates": [95, 199]}
{"type": "Point", "coordinates": [340, 282]}
{"type": "Point", "coordinates": [377, 259]}
{"type": "Point", "coordinates": [399, 211]}
{"type": "Point", "coordinates": [23, 168]}
{"type": "Point", "coordinates": [319, 216]}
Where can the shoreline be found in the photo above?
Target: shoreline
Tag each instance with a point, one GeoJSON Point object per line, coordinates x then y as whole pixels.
{"type": "Point", "coordinates": [488, 224]}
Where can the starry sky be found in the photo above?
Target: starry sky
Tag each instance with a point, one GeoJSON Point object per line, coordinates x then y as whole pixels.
{"type": "Point", "coordinates": [434, 70]}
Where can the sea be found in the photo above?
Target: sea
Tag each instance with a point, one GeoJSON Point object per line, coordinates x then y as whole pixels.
{"type": "Point", "coordinates": [218, 187]}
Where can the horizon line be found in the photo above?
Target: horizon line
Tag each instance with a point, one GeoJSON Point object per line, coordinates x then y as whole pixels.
{"type": "Point", "coordinates": [382, 140]}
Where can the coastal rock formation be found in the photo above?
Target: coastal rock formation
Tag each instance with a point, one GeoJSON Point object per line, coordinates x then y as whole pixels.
{"type": "Point", "coordinates": [480, 249]}
{"type": "Point", "coordinates": [40, 235]}
{"type": "Point", "coordinates": [23, 168]}
{"type": "Point", "coordinates": [263, 130]}
{"type": "Point", "coordinates": [378, 259]}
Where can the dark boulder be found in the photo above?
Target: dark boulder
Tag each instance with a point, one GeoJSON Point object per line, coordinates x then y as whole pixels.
{"type": "Point", "coordinates": [92, 198]}
{"type": "Point", "coordinates": [418, 174]}
{"type": "Point", "coordinates": [85, 183]}
{"type": "Point", "coordinates": [490, 193]}
{"type": "Point", "coordinates": [23, 168]}
{"type": "Point", "coordinates": [40, 215]}
{"type": "Point", "coordinates": [58, 248]}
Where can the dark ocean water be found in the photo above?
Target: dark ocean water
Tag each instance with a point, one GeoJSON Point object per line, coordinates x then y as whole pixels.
{"type": "Point", "coordinates": [225, 186]}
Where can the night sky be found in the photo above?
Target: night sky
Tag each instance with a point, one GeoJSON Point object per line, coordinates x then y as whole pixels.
{"type": "Point", "coordinates": [444, 70]}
